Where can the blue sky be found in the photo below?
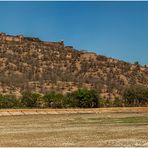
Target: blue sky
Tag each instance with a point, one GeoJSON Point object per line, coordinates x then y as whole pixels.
{"type": "Point", "coordinates": [114, 29]}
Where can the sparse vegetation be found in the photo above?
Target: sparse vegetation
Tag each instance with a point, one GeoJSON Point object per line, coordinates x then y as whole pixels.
{"type": "Point", "coordinates": [118, 102]}
{"type": "Point", "coordinates": [35, 66]}
{"type": "Point", "coordinates": [82, 98]}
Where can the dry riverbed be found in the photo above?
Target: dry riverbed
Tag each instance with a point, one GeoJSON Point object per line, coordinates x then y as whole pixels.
{"type": "Point", "coordinates": [95, 129]}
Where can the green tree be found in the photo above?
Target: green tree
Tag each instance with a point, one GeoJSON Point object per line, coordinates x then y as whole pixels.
{"type": "Point", "coordinates": [86, 98]}
{"type": "Point", "coordinates": [136, 63]}
{"type": "Point", "coordinates": [80, 98]}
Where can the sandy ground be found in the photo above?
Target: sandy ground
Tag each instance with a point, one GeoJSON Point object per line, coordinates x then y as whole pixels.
{"type": "Point", "coordinates": [10, 112]}
{"type": "Point", "coordinates": [97, 129]}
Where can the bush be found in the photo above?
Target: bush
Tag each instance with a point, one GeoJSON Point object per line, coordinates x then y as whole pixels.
{"type": "Point", "coordinates": [118, 102]}
{"type": "Point", "coordinates": [71, 101]}
{"type": "Point", "coordinates": [29, 99]}
{"type": "Point", "coordinates": [54, 100]}
{"type": "Point", "coordinates": [136, 96]}
{"type": "Point", "coordinates": [85, 98]}
{"type": "Point", "coordinates": [108, 102]}
{"type": "Point", "coordinates": [81, 98]}
{"type": "Point", "coordinates": [102, 102]}
{"type": "Point", "coordinates": [9, 102]}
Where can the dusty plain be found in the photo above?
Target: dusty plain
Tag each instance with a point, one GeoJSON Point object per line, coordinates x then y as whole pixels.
{"type": "Point", "coordinates": [102, 129]}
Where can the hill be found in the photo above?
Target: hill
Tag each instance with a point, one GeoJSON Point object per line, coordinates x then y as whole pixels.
{"type": "Point", "coordinates": [29, 64]}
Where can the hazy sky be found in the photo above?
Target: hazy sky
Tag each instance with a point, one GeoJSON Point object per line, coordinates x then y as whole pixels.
{"type": "Point", "coordinates": [114, 29]}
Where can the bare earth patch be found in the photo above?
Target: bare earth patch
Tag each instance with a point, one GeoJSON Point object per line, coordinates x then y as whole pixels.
{"type": "Point", "coordinates": [100, 129]}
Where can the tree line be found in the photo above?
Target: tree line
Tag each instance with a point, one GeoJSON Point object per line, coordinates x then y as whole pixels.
{"type": "Point", "coordinates": [82, 98]}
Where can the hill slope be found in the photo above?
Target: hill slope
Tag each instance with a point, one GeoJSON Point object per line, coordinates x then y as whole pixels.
{"type": "Point", "coordinates": [31, 64]}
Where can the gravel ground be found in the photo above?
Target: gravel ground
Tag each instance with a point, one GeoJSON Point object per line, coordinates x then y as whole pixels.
{"type": "Point", "coordinates": [101, 129]}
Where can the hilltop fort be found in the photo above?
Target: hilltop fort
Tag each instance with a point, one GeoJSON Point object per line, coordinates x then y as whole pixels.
{"type": "Point", "coordinates": [29, 64]}
{"type": "Point", "coordinates": [20, 38]}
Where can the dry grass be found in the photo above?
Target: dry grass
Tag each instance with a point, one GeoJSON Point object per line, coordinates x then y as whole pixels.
{"type": "Point", "coordinates": [101, 129]}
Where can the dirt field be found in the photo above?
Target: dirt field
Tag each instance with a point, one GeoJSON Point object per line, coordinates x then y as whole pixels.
{"type": "Point", "coordinates": [10, 112]}
{"type": "Point", "coordinates": [100, 129]}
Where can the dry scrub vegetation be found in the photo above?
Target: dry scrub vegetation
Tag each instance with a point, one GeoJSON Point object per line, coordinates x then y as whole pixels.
{"type": "Point", "coordinates": [30, 64]}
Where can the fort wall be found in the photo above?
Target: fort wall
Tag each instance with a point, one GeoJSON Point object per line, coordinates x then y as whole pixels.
{"type": "Point", "coordinates": [9, 38]}
{"type": "Point", "coordinates": [88, 55]}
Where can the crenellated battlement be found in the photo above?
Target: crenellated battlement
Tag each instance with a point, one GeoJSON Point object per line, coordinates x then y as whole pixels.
{"type": "Point", "coordinates": [10, 38]}
{"type": "Point", "coordinates": [54, 43]}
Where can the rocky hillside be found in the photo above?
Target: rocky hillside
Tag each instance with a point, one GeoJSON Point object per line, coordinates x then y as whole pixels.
{"type": "Point", "coordinates": [29, 64]}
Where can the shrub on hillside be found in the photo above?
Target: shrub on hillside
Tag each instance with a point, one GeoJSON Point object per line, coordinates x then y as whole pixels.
{"type": "Point", "coordinates": [136, 96]}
